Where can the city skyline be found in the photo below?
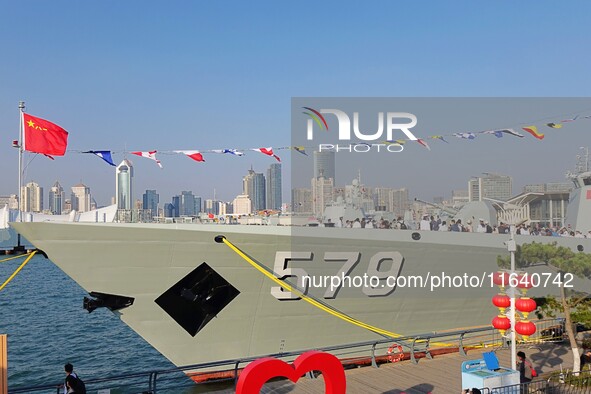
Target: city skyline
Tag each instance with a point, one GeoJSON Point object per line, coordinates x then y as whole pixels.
{"type": "Point", "coordinates": [200, 200]}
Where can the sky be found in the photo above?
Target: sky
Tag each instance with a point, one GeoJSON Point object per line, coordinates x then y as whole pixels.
{"type": "Point", "coordinates": [147, 75]}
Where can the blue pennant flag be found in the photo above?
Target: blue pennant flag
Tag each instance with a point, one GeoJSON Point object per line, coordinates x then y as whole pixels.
{"type": "Point", "coordinates": [103, 154]}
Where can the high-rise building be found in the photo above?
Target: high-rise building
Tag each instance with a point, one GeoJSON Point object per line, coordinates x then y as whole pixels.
{"type": "Point", "coordinates": [11, 201]}
{"type": "Point", "coordinates": [168, 210]}
{"type": "Point", "coordinates": [187, 204]}
{"type": "Point", "coordinates": [124, 185]}
{"type": "Point", "coordinates": [324, 165]}
{"type": "Point", "coordinates": [81, 198]}
{"type": "Point", "coordinates": [67, 206]}
{"type": "Point", "coordinates": [176, 205]}
{"type": "Point", "coordinates": [225, 208]}
{"type": "Point", "coordinates": [274, 187]}
{"type": "Point", "coordinates": [322, 194]}
{"type": "Point", "coordinates": [399, 201]}
{"type": "Point", "coordinates": [254, 187]}
{"type": "Point", "coordinates": [198, 206]}
{"type": "Point", "coordinates": [382, 201]}
{"type": "Point", "coordinates": [301, 200]}
{"type": "Point", "coordinates": [57, 197]}
{"type": "Point", "coordinates": [242, 205]}
{"type": "Point", "coordinates": [150, 201]}
{"type": "Point", "coordinates": [31, 197]}
{"type": "Point", "coordinates": [211, 206]}
{"type": "Point", "coordinates": [459, 197]}
{"type": "Point", "coordinates": [493, 186]}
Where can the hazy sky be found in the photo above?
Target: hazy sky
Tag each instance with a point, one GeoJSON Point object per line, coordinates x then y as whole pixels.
{"type": "Point", "coordinates": [144, 75]}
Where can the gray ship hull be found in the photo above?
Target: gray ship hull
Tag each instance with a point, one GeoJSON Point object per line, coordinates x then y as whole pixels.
{"type": "Point", "coordinates": [145, 260]}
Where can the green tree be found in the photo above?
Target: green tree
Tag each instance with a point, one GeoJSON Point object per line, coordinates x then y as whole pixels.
{"type": "Point", "coordinates": [575, 305]}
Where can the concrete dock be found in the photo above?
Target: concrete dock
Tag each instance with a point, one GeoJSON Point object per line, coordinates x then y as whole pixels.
{"type": "Point", "coordinates": [438, 375]}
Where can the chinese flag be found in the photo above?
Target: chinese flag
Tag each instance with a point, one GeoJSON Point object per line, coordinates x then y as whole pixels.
{"type": "Point", "coordinates": [42, 136]}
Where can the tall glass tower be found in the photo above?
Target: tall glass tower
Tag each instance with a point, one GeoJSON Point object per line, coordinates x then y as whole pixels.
{"type": "Point", "coordinates": [56, 198]}
{"type": "Point", "coordinates": [324, 164]}
{"type": "Point", "coordinates": [150, 201]}
{"type": "Point", "coordinates": [123, 185]}
{"type": "Point", "coordinates": [187, 204]}
{"type": "Point", "coordinates": [81, 198]}
{"type": "Point", "coordinates": [274, 186]}
{"type": "Point", "coordinates": [254, 188]}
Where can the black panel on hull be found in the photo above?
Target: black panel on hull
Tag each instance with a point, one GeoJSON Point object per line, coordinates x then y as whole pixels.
{"type": "Point", "coordinates": [197, 298]}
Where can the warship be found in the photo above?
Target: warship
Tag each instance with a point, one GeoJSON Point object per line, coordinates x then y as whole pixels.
{"type": "Point", "coordinates": [197, 300]}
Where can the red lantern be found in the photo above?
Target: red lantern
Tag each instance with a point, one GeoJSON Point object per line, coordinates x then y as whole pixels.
{"type": "Point", "coordinates": [501, 301]}
{"type": "Point", "coordinates": [501, 323]}
{"type": "Point", "coordinates": [525, 328]}
{"type": "Point", "coordinates": [501, 279]}
{"type": "Point", "coordinates": [525, 305]}
{"type": "Point", "coordinates": [524, 282]}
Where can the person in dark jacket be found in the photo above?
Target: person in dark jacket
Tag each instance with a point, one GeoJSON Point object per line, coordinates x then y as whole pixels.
{"type": "Point", "coordinates": [586, 360]}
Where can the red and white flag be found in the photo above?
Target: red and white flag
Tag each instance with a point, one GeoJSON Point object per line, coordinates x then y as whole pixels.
{"type": "Point", "coordinates": [42, 136]}
{"type": "Point", "coordinates": [149, 155]}
{"type": "Point", "coordinates": [422, 142]}
{"type": "Point", "coordinates": [193, 154]}
{"type": "Point", "coordinates": [267, 151]}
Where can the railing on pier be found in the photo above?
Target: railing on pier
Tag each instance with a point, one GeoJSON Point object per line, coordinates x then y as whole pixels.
{"type": "Point", "coordinates": [415, 347]}
{"type": "Point", "coordinates": [557, 383]}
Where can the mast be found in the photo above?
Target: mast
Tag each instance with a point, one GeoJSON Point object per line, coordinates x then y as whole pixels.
{"type": "Point", "coordinates": [21, 107]}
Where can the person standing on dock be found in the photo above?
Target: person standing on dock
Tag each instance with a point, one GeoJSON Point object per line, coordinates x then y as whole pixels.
{"type": "Point", "coordinates": [69, 368]}
{"type": "Point", "coordinates": [586, 360]}
{"type": "Point", "coordinates": [525, 368]}
{"type": "Point", "coordinates": [72, 385]}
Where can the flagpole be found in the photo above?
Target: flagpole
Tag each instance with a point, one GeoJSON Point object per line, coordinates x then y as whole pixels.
{"type": "Point", "coordinates": [21, 106]}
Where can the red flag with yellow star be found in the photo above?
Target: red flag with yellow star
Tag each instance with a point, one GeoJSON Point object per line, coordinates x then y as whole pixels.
{"type": "Point", "coordinates": [42, 136]}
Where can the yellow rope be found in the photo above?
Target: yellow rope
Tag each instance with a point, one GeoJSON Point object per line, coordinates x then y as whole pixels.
{"type": "Point", "coordinates": [308, 299]}
{"type": "Point", "coordinates": [13, 257]}
{"type": "Point", "coordinates": [317, 304]}
{"type": "Point", "coordinates": [18, 270]}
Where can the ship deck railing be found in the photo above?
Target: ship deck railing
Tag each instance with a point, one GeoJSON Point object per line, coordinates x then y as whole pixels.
{"type": "Point", "coordinates": [373, 353]}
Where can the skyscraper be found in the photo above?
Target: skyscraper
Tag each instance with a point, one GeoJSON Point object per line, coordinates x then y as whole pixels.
{"type": "Point", "coordinates": [187, 204]}
{"type": "Point", "coordinates": [497, 187]}
{"type": "Point", "coordinates": [254, 188]}
{"type": "Point", "coordinates": [150, 201]}
{"type": "Point", "coordinates": [211, 206]}
{"type": "Point", "coordinates": [31, 198]}
{"type": "Point", "coordinates": [81, 198]}
{"type": "Point", "coordinates": [123, 185]}
{"type": "Point", "coordinates": [176, 206]}
{"type": "Point", "coordinates": [57, 197]}
{"type": "Point", "coordinates": [10, 200]}
{"type": "Point", "coordinates": [168, 210]}
{"type": "Point", "coordinates": [324, 164]}
{"type": "Point", "coordinates": [322, 194]}
{"type": "Point", "coordinates": [301, 200]}
{"type": "Point", "coordinates": [242, 205]}
{"type": "Point", "coordinates": [399, 201]}
{"type": "Point", "coordinates": [198, 206]}
{"type": "Point", "coordinates": [274, 187]}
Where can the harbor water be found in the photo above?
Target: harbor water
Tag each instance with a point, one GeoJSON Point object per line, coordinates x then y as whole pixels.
{"type": "Point", "coordinates": [41, 311]}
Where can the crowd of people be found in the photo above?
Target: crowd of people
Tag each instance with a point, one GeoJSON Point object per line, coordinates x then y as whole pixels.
{"type": "Point", "coordinates": [435, 223]}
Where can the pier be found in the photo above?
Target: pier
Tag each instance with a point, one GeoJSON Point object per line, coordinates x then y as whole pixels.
{"type": "Point", "coordinates": [438, 375]}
